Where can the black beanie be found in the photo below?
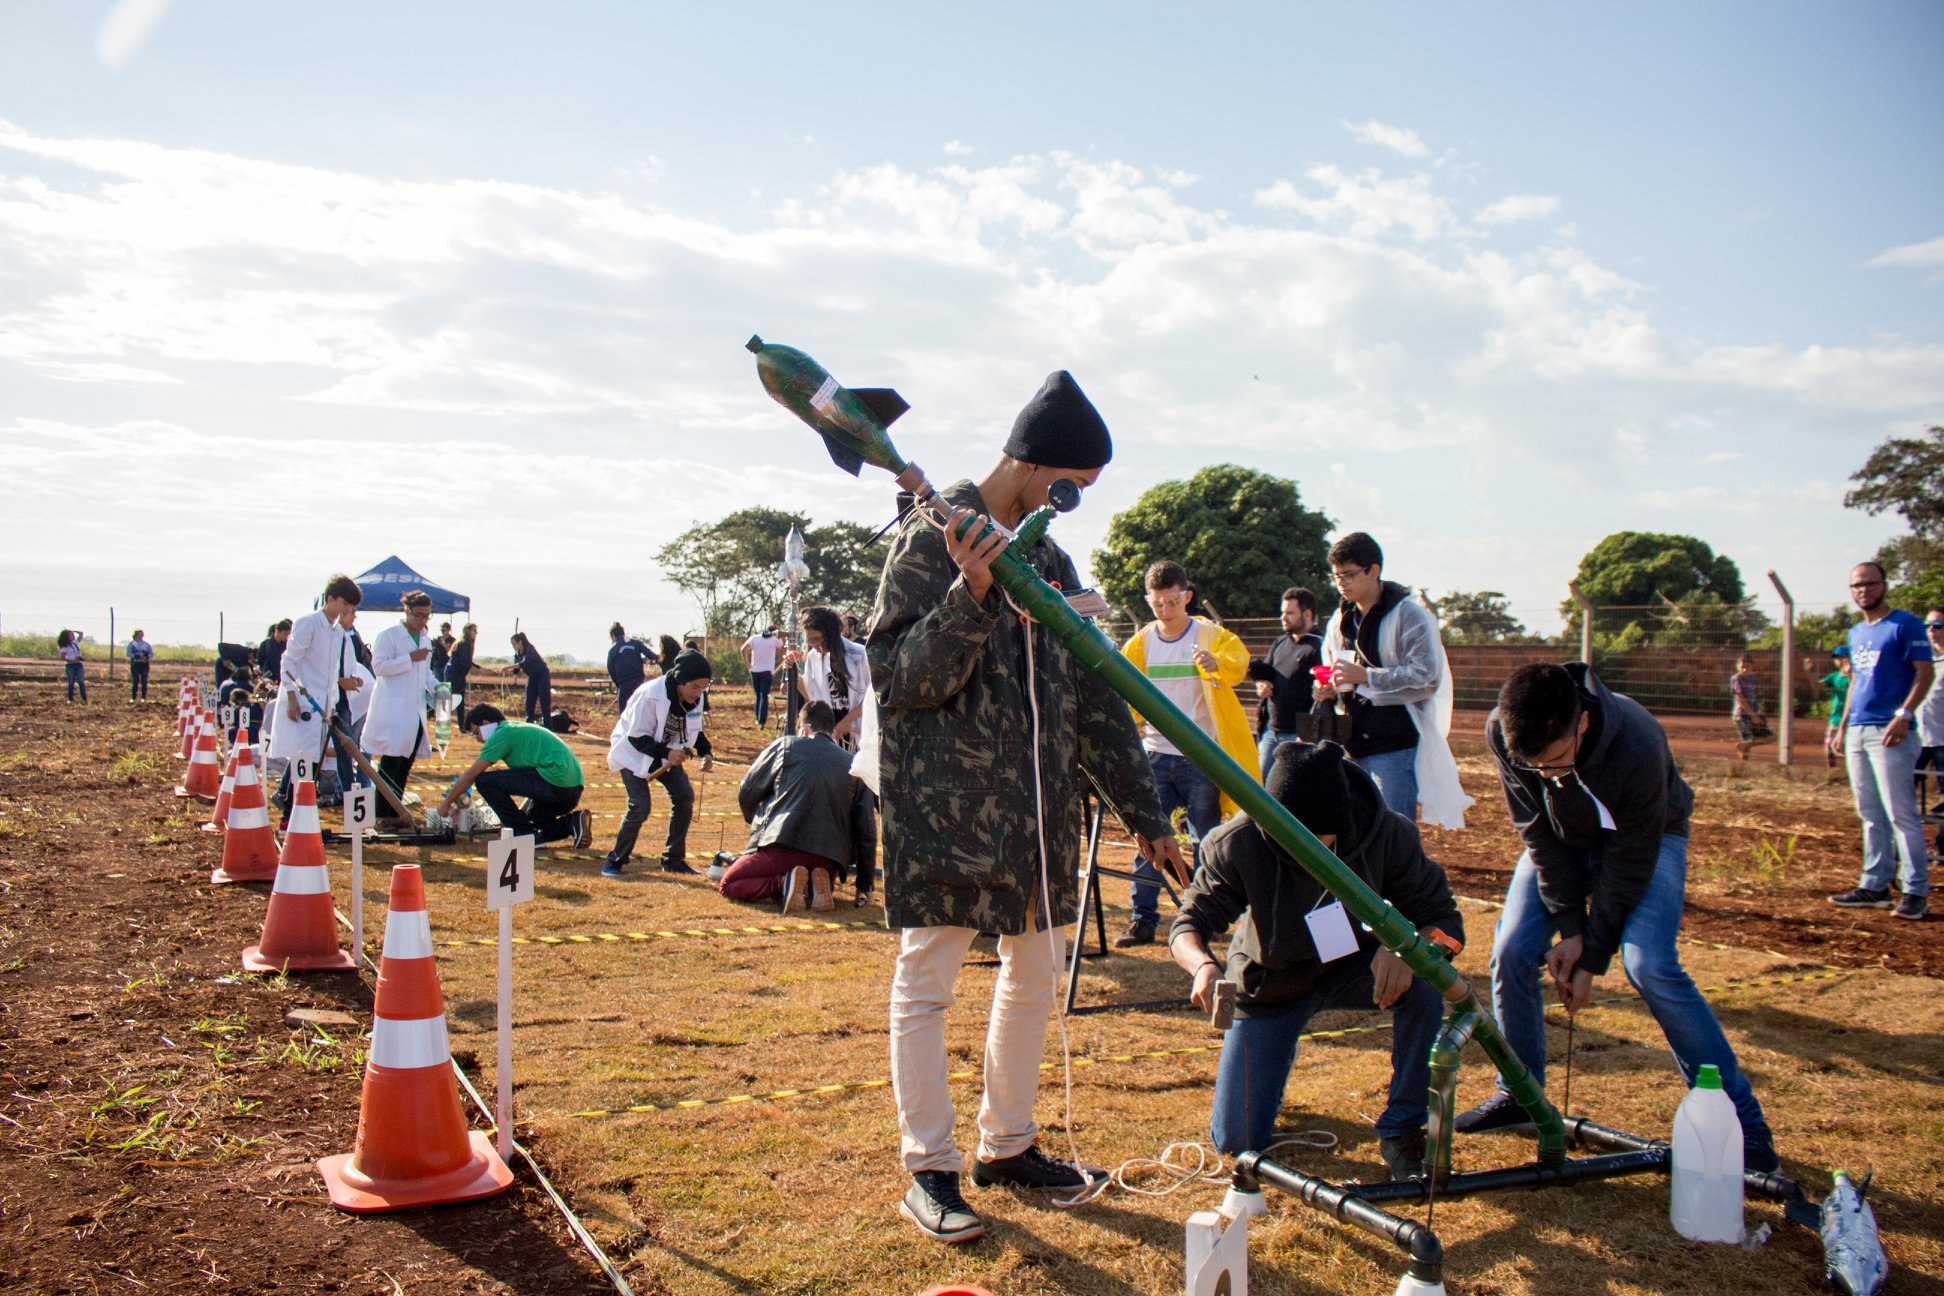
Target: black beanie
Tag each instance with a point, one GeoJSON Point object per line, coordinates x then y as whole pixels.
{"type": "Point", "coordinates": [689, 665]}
{"type": "Point", "coordinates": [1309, 781]}
{"type": "Point", "coordinates": [1060, 428]}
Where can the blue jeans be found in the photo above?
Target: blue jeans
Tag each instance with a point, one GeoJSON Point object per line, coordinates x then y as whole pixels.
{"type": "Point", "coordinates": [1266, 748]}
{"type": "Point", "coordinates": [760, 681]}
{"type": "Point", "coordinates": [1396, 775]}
{"type": "Point", "coordinates": [1179, 783]}
{"type": "Point", "coordinates": [75, 679]}
{"type": "Point", "coordinates": [1884, 782]}
{"type": "Point", "coordinates": [1258, 1052]}
{"type": "Point", "coordinates": [1647, 953]}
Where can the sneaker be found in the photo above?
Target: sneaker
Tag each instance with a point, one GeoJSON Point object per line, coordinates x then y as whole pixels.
{"type": "Point", "coordinates": [612, 867]}
{"type": "Point", "coordinates": [719, 865]}
{"type": "Point", "coordinates": [1033, 1169]}
{"type": "Point", "coordinates": [935, 1205]}
{"type": "Point", "coordinates": [1912, 907]}
{"type": "Point", "coordinates": [1403, 1156]}
{"type": "Point", "coordinates": [1758, 1150]}
{"type": "Point", "coordinates": [821, 899]}
{"type": "Point", "coordinates": [1500, 1111]}
{"type": "Point", "coordinates": [1863, 898]}
{"type": "Point", "coordinates": [796, 895]}
{"type": "Point", "coordinates": [672, 865]}
{"type": "Point", "coordinates": [1137, 933]}
{"type": "Point", "coordinates": [583, 828]}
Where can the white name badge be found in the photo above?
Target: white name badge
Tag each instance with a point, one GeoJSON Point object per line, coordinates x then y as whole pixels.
{"type": "Point", "coordinates": [1330, 930]}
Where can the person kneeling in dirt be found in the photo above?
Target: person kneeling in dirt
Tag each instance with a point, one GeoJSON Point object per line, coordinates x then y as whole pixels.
{"type": "Point", "coordinates": [808, 815]}
{"type": "Point", "coordinates": [1603, 813]}
{"type": "Point", "coordinates": [539, 767]}
{"type": "Point", "coordinates": [1297, 953]}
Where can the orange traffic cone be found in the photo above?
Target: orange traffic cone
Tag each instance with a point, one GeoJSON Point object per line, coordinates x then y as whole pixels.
{"type": "Point", "coordinates": [413, 1148]}
{"type": "Point", "coordinates": [204, 778]}
{"type": "Point", "coordinates": [219, 818]}
{"type": "Point", "coordinates": [249, 843]}
{"type": "Point", "coordinates": [300, 930]}
{"type": "Point", "coordinates": [191, 725]}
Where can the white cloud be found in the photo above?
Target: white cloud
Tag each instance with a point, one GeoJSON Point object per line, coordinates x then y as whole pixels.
{"type": "Point", "coordinates": [1912, 254]}
{"type": "Point", "coordinates": [957, 148]}
{"type": "Point", "coordinates": [1518, 207]}
{"type": "Point", "coordinates": [1396, 138]}
{"type": "Point", "coordinates": [126, 28]}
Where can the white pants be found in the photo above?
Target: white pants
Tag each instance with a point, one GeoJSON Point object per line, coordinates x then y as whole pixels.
{"type": "Point", "coordinates": [921, 993]}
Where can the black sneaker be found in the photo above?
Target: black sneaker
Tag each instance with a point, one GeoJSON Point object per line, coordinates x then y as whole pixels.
{"type": "Point", "coordinates": [1758, 1150]}
{"type": "Point", "coordinates": [935, 1205]}
{"type": "Point", "coordinates": [796, 893]}
{"type": "Point", "coordinates": [1499, 1112]}
{"type": "Point", "coordinates": [1033, 1169]}
{"type": "Point", "coordinates": [1862, 898]}
{"type": "Point", "coordinates": [583, 832]}
{"type": "Point", "coordinates": [1912, 907]}
{"type": "Point", "coordinates": [611, 867]}
{"type": "Point", "coordinates": [1137, 933]}
{"type": "Point", "coordinates": [1404, 1156]}
{"type": "Point", "coordinates": [672, 865]}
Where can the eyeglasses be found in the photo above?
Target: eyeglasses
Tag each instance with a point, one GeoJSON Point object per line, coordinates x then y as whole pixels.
{"type": "Point", "coordinates": [1856, 585]}
{"type": "Point", "coordinates": [1554, 770]}
{"type": "Point", "coordinates": [1934, 625]}
{"type": "Point", "coordinates": [1344, 575]}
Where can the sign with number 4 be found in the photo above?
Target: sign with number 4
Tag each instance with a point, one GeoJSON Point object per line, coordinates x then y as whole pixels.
{"type": "Point", "coordinates": [359, 812]}
{"type": "Point", "coordinates": [509, 872]}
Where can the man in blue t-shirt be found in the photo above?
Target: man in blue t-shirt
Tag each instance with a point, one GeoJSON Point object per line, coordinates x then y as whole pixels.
{"type": "Point", "coordinates": [1890, 672]}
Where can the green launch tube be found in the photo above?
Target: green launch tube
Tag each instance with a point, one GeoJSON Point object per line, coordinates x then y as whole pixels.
{"type": "Point", "coordinates": [1046, 605]}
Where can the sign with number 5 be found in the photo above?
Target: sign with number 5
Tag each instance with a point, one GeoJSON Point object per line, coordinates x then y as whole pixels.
{"type": "Point", "coordinates": [359, 813]}
{"type": "Point", "coordinates": [509, 872]}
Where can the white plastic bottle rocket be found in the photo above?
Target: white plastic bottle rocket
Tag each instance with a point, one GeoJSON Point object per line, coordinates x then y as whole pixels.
{"type": "Point", "coordinates": [1707, 1163]}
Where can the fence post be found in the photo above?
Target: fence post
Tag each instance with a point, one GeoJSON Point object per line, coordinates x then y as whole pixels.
{"type": "Point", "coordinates": [1586, 621]}
{"type": "Point", "coordinates": [111, 644]}
{"type": "Point", "coordinates": [1785, 722]}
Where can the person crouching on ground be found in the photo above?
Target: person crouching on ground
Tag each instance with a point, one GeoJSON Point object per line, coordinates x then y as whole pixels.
{"type": "Point", "coordinates": [660, 726]}
{"type": "Point", "coordinates": [539, 767]}
{"type": "Point", "coordinates": [808, 815]}
{"type": "Point", "coordinates": [1283, 977]}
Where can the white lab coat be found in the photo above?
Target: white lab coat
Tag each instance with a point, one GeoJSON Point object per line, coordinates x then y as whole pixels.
{"type": "Point", "coordinates": [1416, 676]}
{"type": "Point", "coordinates": [310, 662]}
{"type": "Point", "coordinates": [400, 695]}
{"type": "Point", "coordinates": [645, 716]}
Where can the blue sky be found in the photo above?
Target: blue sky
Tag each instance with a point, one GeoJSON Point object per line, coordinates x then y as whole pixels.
{"type": "Point", "coordinates": [469, 282]}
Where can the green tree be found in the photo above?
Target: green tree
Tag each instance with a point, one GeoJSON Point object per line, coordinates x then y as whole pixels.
{"type": "Point", "coordinates": [1674, 589]}
{"type": "Point", "coordinates": [1243, 535]}
{"type": "Point", "coordinates": [1479, 618]}
{"type": "Point", "coordinates": [1906, 474]}
{"type": "Point", "coordinates": [729, 567]}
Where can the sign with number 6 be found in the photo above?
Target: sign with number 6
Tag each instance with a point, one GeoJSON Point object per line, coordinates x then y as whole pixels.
{"type": "Point", "coordinates": [509, 872]}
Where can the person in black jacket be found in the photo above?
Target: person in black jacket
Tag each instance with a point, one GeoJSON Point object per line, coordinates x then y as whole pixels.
{"type": "Point", "coordinates": [1603, 812]}
{"type": "Point", "coordinates": [1285, 677]}
{"type": "Point", "coordinates": [1281, 978]}
{"type": "Point", "coordinates": [269, 653]}
{"type": "Point", "coordinates": [627, 664]}
{"type": "Point", "coordinates": [808, 818]}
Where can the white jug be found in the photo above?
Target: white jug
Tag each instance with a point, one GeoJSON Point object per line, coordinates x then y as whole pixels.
{"type": "Point", "coordinates": [1707, 1169]}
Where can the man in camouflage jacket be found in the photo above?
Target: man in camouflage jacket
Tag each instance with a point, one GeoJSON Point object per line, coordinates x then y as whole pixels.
{"type": "Point", "coordinates": [962, 838]}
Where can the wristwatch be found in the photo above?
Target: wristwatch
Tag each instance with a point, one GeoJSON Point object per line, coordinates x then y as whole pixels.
{"type": "Point", "coordinates": [1903, 713]}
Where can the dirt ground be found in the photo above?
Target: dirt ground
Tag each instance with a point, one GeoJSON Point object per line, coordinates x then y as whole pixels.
{"type": "Point", "coordinates": [705, 1082]}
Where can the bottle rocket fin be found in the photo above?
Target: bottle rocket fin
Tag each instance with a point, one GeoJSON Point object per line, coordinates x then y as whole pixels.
{"type": "Point", "coordinates": [884, 403]}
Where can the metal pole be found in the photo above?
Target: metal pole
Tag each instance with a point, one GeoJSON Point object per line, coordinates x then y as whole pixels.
{"type": "Point", "coordinates": [111, 645]}
{"type": "Point", "coordinates": [1586, 621]}
{"type": "Point", "coordinates": [1785, 718]}
{"type": "Point", "coordinates": [503, 1026]}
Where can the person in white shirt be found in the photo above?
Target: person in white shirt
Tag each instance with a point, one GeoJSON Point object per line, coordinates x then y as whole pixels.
{"type": "Point", "coordinates": [313, 677]}
{"type": "Point", "coordinates": [759, 657]}
{"type": "Point", "coordinates": [401, 694]}
{"type": "Point", "coordinates": [834, 671]}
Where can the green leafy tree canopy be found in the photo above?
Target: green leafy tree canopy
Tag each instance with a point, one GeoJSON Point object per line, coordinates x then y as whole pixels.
{"type": "Point", "coordinates": [1677, 591]}
{"type": "Point", "coordinates": [729, 567]}
{"type": "Point", "coordinates": [1478, 618]}
{"type": "Point", "coordinates": [1243, 535]}
{"type": "Point", "coordinates": [1906, 474]}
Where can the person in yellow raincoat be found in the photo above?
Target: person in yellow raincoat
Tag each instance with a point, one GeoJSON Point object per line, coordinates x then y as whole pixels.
{"type": "Point", "coordinates": [1197, 665]}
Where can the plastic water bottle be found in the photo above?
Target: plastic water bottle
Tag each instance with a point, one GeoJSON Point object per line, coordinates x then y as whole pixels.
{"type": "Point", "coordinates": [1707, 1172]}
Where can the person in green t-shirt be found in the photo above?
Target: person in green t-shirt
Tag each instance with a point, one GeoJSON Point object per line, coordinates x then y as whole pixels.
{"type": "Point", "coordinates": [1837, 682]}
{"type": "Point", "coordinates": [539, 767]}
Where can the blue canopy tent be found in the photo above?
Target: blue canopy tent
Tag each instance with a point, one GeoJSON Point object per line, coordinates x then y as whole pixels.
{"type": "Point", "coordinates": [391, 580]}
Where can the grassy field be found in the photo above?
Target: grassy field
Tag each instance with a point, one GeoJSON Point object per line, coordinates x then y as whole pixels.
{"type": "Point", "coordinates": [762, 1154]}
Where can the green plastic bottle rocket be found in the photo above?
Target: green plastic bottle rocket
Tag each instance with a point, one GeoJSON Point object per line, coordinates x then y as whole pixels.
{"type": "Point", "coordinates": [850, 420]}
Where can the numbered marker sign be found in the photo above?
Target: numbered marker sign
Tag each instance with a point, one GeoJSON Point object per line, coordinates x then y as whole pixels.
{"type": "Point", "coordinates": [359, 814]}
{"type": "Point", "coordinates": [509, 872]}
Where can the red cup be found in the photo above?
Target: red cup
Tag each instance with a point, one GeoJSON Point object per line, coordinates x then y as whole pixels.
{"type": "Point", "coordinates": [1323, 674]}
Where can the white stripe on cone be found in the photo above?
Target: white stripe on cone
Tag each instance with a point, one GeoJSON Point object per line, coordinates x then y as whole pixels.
{"type": "Point", "coordinates": [303, 819]}
{"type": "Point", "coordinates": [302, 879]}
{"type": "Point", "coordinates": [202, 755]}
{"type": "Point", "coordinates": [411, 1043]}
{"type": "Point", "coordinates": [408, 934]}
{"type": "Point", "coordinates": [245, 772]}
{"type": "Point", "coordinates": [244, 818]}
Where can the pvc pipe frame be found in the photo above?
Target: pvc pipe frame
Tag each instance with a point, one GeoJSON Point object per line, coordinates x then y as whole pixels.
{"type": "Point", "coordinates": [1785, 716]}
{"type": "Point", "coordinates": [1083, 639]}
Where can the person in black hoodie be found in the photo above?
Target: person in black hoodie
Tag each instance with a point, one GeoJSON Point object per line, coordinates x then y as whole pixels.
{"type": "Point", "coordinates": [1603, 812]}
{"type": "Point", "coordinates": [1280, 979]}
